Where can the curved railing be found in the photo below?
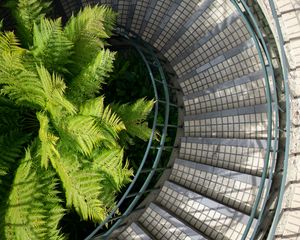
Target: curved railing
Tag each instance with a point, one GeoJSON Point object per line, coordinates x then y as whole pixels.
{"type": "Point", "coordinates": [284, 69]}
{"type": "Point", "coordinates": [273, 108]}
{"type": "Point", "coordinates": [263, 190]}
{"type": "Point", "coordinates": [157, 76]}
{"type": "Point", "coordinates": [151, 61]}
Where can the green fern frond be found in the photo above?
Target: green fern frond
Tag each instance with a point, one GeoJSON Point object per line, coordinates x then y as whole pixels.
{"type": "Point", "coordinates": [11, 151]}
{"type": "Point", "coordinates": [26, 90]}
{"type": "Point", "coordinates": [88, 31]}
{"type": "Point", "coordinates": [54, 88]}
{"type": "Point", "coordinates": [107, 122]}
{"type": "Point", "coordinates": [26, 13]}
{"type": "Point", "coordinates": [82, 133]}
{"type": "Point", "coordinates": [31, 201]}
{"type": "Point", "coordinates": [50, 45]}
{"type": "Point", "coordinates": [134, 118]}
{"type": "Point", "coordinates": [10, 44]}
{"type": "Point", "coordinates": [103, 115]}
{"type": "Point", "coordinates": [82, 186]}
{"type": "Point", "coordinates": [109, 162]}
{"type": "Point", "coordinates": [89, 80]}
{"type": "Point", "coordinates": [47, 149]}
{"type": "Point", "coordinates": [11, 55]}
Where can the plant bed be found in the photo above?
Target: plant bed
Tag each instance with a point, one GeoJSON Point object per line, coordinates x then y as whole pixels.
{"type": "Point", "coordinates": [62, 145]}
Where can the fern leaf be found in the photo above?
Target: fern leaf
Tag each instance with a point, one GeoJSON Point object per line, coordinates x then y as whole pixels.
{"type": "Point", "coordinates": [26, 13]}
{"type": "Point", "coordinates": [10, 116]}
{"type": "Point", "coordinates": [82, 186]}
{"type": "Point", "coordinates": [109, 162]}
{"type": "Point", "coordinates": [87, 30]}
{"type": "Point", "coordinates": [82, 133]}
{"type": "Point", "coordinates": [54, 88]}
{"type": "Point", "coordinates": [134, 118]}
{"type": "Point", "coordinates": [32, 200]}
{"type": "Point", "coordinates": [10, 57]}
{"type": "Point", "coordinates": [11, 151]}
{"type": "Point", "coordinates": [51, 46]}
{"type": "Point", "coordinates": [107, 122]}
{"type": "Point", "coordinates": [48, 140]}
{"type": "Point", "coordinates": [26, 90]}
{"type": "Point", "coordinates": [89, 80]}
{"type": "Point", "coordinates": [95, 108]}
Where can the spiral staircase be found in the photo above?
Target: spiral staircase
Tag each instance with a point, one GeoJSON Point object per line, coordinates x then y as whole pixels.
{"type": "Point", "coordinates": [235, 173]}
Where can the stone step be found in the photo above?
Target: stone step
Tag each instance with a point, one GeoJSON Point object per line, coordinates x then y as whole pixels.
{"type": "Point", "coordinates": [217, 221]}
{"type": "Point", "coordinates": [164, 226]}
{"type": "Point", "coordinates": [247, 122]}
{"type": "Point", "coordinates": [235, 63]}
{"type": "Point", "coordinates": [246, 91]}
{"type": "Point", "coordinates": [234, 189]}
{"type": "Point", "coordinates": [133, 231]}
{"type": "Point", "coordinates": [241, 155]}
{"type": "Point", "coordinates": [197, 26]}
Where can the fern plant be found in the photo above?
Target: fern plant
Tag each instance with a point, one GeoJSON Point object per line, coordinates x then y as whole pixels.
{"type": "Point", "coordinates": [56, 133]}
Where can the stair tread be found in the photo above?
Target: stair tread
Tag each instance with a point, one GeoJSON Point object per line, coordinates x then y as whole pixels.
{"type": "Point", "coordinates": [134, 231]}
{"type": "Point", "coordinates": [215, 31]}
{"type": "Point", "coordinates": [165, 226]}
{"type": "Point", "coordinates": [219, 59]}
{"type": "Point", "coordinates": [238, 81]}
{"type": "Point", "coordinates": [241, 155]}
{"type": "Point", "coordinates": [234, 189]}
{"type": "Point", "coordinates": [251, 143]}
{"type": "Point", "coordinates": [261, 108]}
{"type": "Point", "coordinates": [212, 218]}
{"type": "Point", "coordinates": [247, 122]}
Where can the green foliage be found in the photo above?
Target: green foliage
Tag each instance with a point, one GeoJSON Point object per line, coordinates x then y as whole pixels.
{"type": "Point", "coordinates": [88, 82]}
{"type": "Point", "coordinates": [134, 118]}
{"type": "Point", "coordinates": [49, 85]}
{"type": "Point", "coordinates": [26, 13]}
{"type": "Point", "coordinates": [51, 45]}
{"type": "Point", "coordinates": [33, 209]}
{"type": "Point", "coordinates": [88, 31]}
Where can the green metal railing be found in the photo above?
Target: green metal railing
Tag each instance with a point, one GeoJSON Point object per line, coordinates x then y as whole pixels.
{"type": "Point", "coordinates": [284, 69]}
{"type": "Point", "coordinates": [273, 108]}
{"type": "Point", "coordinates": [154, 68]}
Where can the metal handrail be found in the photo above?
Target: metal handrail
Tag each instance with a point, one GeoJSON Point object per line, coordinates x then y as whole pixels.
{"type": "Point", "coordinates": [253, 28]}
{"type": "Point", "coordinates": [284, 68]}
{"type": "Point", "coordinates": [135, 41]}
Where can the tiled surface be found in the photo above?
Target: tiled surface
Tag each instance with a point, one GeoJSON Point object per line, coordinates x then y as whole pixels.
{"type": "Point", "coordinates": [213, 46]}
{"type": "Point", "coordinates": [200, 68]}
{"type": "Point", "coordinates": [217, 11]}
{"type": "Point", "coordinates": [158, 12]}
{"type": "Point", "coordinates": [140, 9]}
{"type": "Point", "coordinates": [123, 10]}
{"type": "Point", "coordinates": [164, 226]}
{"type": "Point", "coordinates": [233, 189]}
{"type": "Point", "coordinates": [177, 15]}
{"type": "Point", "coordinates": [133, 232]}
{"type": "Point", "coordinates": [245, 159]}
{"type": "Point", "coordinates": [241, 64]}
{"type": "Point", "coordinates": [213, 219]}
{"type": "Point", "coordinates": [228, 124]}
{"type": "Point", "coordinates": [242, 92]}
{"type": "Point", "coordinates": [289, 18]}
